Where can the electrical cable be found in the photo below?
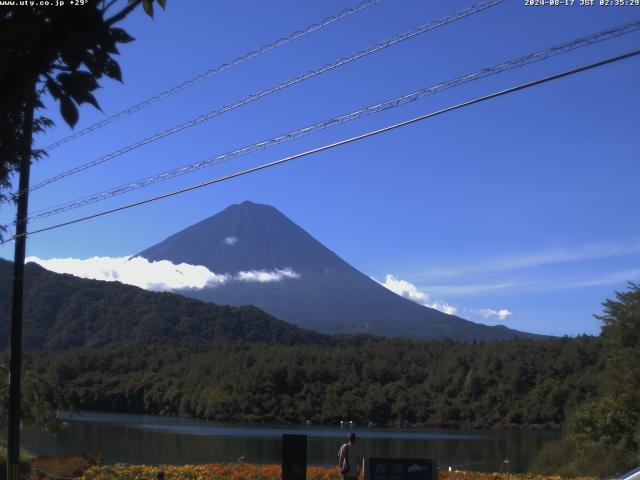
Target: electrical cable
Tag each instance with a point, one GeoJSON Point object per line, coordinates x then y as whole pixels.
{"type": "Point", "coordinates": [356, 138]}
{"type": "Point", "coordinates": [214, 71]}
{"type": "Point", "coordinates": [518, 62]}
{"type": "Point", "coordinates": [255, 96]}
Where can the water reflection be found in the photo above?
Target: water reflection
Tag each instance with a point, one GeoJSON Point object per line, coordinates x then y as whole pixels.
{"type": "Point", "coordinates": [152, 440]}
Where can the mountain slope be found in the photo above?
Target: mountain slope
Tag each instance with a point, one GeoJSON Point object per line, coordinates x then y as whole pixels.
{"type": "Point", "coordinates": [328, 296]}
{"type": "Point", "coordinates": [63, 311]}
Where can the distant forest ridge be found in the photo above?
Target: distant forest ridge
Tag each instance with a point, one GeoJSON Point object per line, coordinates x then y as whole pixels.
{"type": "Point", "coordinates": [62, 312]}
{"type": "Point", "coordinates": [114, 347]}
{"type": "Point", "coordinates": [516, 383]}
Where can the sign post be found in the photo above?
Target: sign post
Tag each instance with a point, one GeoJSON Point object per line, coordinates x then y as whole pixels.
{"type": "Point", "coordinates": [294, 457]}
{"type": "Point", "coordinates": [401, 469]}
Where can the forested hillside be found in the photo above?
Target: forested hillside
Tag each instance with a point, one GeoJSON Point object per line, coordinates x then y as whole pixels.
{"type": "Point", "coordinates": [444, 384]}
{"type": "Point", "coordinates": [63, 311]}
{"type": "Point", "coordinates": [602, 437]}
{"type": "Point", "coordinates": [113, 347]}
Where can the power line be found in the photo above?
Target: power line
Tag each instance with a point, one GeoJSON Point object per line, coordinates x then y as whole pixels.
{"type": "Point", "coordinates": [372, 133]}
{"type": "Point", "coordinates": [214, 71]}
{"type": "Point", "coordinates": [372, 109]}
{"type": "Point", "coordinates": [255, 96]}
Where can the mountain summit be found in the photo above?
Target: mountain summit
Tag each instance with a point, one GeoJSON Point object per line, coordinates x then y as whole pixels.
{"type": "Point", "coordinates": [245, 237]}
{"type": "Point", "coordinates": [320, 290]}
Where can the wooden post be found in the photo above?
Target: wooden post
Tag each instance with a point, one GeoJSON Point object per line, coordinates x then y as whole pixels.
{"type": "Point", "coordinates": [15, 363]}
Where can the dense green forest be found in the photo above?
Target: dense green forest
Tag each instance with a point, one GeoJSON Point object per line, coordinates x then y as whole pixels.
{"type": "Point", "coordinates": [440, 384]}
{"type": "Point", "coordinates": [602, 437]}
{"type": "Point", "coordinates": [113, 347]}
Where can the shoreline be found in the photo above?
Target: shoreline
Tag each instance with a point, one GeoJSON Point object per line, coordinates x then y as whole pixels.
{"type": "Point", "coordinates": [303, 423]}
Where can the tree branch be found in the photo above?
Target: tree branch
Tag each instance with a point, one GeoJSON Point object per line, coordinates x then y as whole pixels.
{"type": "Point", "coordinates": [123, 13]}
{"type": "Point", "coordinates": [108, 5]}
{"type": "Point", "coordinates": [57, 66]}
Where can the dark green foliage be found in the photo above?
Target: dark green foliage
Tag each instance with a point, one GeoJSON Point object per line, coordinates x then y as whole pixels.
{"type": "Point", "coordinates": [140, 351]}
{"type": "Point", "coordinates": [63, 311]}
{"type": "Point", "coordinates": [441, 384]}
{"type": "Point", "coordinates": [42, 400]}
{"type": "Point", "coordinates": [59, 51]}
{"type": "Point", "coordinates": [602, 438]}
{"type": "Point", "coordinates": [129, 350]}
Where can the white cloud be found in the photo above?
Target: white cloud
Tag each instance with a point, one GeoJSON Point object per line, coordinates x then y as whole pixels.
{"type": "Point", "coordinates": [162, 275]}
{"type": "Point", "coordinates": [555, 283]}
{"type": "Point", "coordinates": [590, 251]}
{"type": "Point", "coordinates": [410, 291]}
{"type": "Point", "coordinates": [502, 314]}
{"type": "Point", "coordinates": [544, 285]}
{"type": "Point", "coordinates": [159, 276]}
{"type": "Point", "coordinates": [470, 289]}
{"type": "Point", "coordinates": [266, 276]}
{"type": "Point", "coordinates": [605, 279]}
{"type": "Point", "coordinates": [443, 307]}
{"type": "Point", "coordinates": [404, 289]}
{"type": "Point", "coordinates": [577, 253]}
{"type": "Point", "coordinates": [230, 241]}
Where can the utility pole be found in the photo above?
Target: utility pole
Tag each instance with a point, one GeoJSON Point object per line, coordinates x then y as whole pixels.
{"type": "Point", "coordinates": [15, 363]}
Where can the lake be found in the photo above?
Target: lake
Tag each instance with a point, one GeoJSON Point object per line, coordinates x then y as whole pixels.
{"type": "Point", "coordinates": [123, 438]}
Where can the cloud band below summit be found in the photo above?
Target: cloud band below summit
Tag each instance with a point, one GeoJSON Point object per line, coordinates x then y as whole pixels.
{"type": "Point", "coordinates": [160, 275]}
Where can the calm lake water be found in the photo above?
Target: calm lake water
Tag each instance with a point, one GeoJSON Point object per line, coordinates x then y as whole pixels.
{"type": "Point", "coordinates": [152, 440]}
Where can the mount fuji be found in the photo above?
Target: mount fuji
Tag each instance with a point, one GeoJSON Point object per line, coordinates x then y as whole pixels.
{"type": "Point", "coordinates": [305, 283]}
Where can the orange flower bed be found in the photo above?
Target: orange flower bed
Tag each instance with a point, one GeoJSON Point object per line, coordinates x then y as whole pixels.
{"type": "Point", "coordinates": [214, 471]}
{"type": "Point", "coordinates": [248, 471]}
{"type": "Point", "coordinates": [468, 475]}
{"type": "Point", "coordinates": [66, 466]}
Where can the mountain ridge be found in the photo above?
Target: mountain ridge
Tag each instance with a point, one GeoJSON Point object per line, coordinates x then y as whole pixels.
{"type": "Point", "coordinates": [62, 311]}
{"type": "Point", "coordinates": [330, 295]}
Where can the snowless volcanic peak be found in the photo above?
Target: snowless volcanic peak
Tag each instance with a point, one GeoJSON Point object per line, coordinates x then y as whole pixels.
{"type": "Point", "coordinates": [320, 291]}
{"type": "Point", "coordinates": [243, 237]}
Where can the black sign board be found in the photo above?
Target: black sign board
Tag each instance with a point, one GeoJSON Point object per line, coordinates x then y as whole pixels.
{"type": "Point", "coordinates": [401, 469]}
{"type": "Point", "coordinates": [294, 457]}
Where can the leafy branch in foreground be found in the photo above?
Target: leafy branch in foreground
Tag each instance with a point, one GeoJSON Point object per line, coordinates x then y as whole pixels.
{"type": "Point", "coordinates": [56, 51]}
{"type": "Point", "coordinates": [42, 401]}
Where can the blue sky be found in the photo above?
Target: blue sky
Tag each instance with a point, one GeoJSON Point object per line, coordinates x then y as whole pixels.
{"type": "Point", "coordinates": [523, 204]}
